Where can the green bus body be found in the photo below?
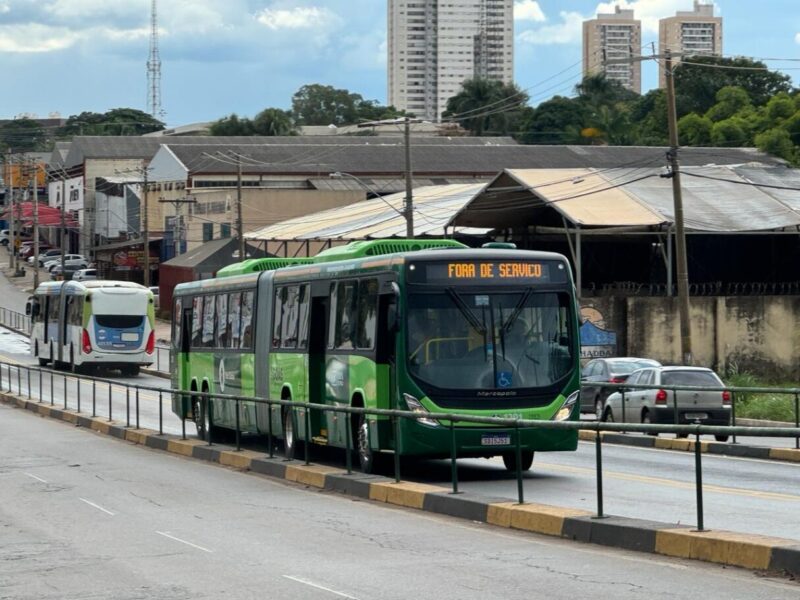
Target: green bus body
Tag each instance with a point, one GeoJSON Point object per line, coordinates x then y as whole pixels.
{"type": "Point", "coordinates": [338, 329]}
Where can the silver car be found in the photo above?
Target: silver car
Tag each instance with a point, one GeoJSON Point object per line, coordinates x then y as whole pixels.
{"type": "Point", "coordinates": [658, 405]}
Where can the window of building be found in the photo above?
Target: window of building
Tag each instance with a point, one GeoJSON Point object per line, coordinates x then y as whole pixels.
{"type": "Point", "coordinates": [224, 230]}
{"type": "Point", "coordinates": [208, 232]}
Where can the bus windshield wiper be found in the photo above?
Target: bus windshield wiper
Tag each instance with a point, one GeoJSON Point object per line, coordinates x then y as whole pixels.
{"type": "Point", "coordinates": [465, 310]}
{"type": "Point", "coordinates": [517, 309]}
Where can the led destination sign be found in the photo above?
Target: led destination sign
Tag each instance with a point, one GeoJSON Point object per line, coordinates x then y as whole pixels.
{"type": "Point", "coordinates": [480, 271]}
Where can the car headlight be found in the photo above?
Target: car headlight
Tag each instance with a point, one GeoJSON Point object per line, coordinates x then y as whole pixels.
{"type": "Point", "coordinates": [415, 406]}
{"type": "Point", "coordinates": [563, 413]}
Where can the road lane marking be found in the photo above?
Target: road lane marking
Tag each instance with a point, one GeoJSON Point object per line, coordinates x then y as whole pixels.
{"type": "Point", "coordinates": [320, 587]}
{"type": "Point", "coordinates": [97, 506]}
{"type": "Point", "coordinates": [32, 476]}
{"type": "Point", "coordinates": [177, 539]}
{"type": "Point", "coordinates": [672, 483]}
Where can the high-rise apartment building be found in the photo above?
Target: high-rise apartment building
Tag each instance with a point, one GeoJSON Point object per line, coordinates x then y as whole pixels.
{"type": "Point", "coordinates": [697, 32]}
{"type": "Point", "coordinates": [610, 37]}
{"type": "Point", "coordinates": [436, 45]}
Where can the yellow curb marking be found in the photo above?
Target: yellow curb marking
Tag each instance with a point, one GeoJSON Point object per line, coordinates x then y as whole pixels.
{"type": "Point", "coordinates": [785, 454]}
{"type": "Point", "coordinates": [404, 493]}
{"type": "Point", "coordinates": [725, 547]}
{"type": "Point", "coordinates": [313, 475]}
{"type": "Point", "coordinates": [238, 460]}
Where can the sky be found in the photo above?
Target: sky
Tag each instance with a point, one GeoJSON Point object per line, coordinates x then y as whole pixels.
{"type": "Point", "coordinates": [224, 56]}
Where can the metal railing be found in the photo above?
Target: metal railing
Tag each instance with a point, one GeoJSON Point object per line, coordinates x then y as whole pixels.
{"type": "Point", "coordinates": [15, 320]}
{"type": "Point", "coordinates": [303, 410]}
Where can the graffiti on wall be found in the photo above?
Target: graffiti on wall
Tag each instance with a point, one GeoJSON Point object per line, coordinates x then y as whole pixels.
{"type": "Point", "coordinates": [596, 340]}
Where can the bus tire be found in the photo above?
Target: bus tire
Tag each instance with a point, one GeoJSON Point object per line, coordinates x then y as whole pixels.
{"type": "Point", "coordinates": [198, 417]}
{"type": "Point", "coordinates": [366, 457]}
{"type": "Point", "coordinates": [290, 450]}
{"type": "Point", "coordinates": [510, 460]}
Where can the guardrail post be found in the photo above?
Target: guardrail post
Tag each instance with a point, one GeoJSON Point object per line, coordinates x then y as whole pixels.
{"type": "Point", "coordinates": [675, 405]}
{"type": "Point", "coordinates": [127, 406]}
{"type": "Point", "coordinates": [19, 381]}
{"type": "Point", "coordinates": [698, 469]}
{"type": "Point", "coordinates": [160, 413]}
{"type": "Point", "coordinates": [348, 443]}
{"type": "Point", "coordinates": [207, 417]}
{"type": "Point", "coordinates": [308, 435]}
{"type": "Point", "coordinates": [797, 419]}
{"type": "Point", "coordinates": [733, 415]}
{"type": "Point", "coordinates": [109, 402]}
{"type": "Point", "coordinates": [65, 392]}
{"type": "Point", "coordinates": [270, 440]}
{"type": "Point", "coordinates": [518, 452]}
{"type": "Point", "coordinates": [396, 423]}
{"type": "Point", "coordinates": [137, 407]}
{"type": "Point", "coordinates": [94, 397]}
{"type": "Point", "coordinates": [238, 434]}
{"type": "Point", "coordinates": [622, 394]}
{"type": "Point", "coordinates": [598, 445]}
{"type": "Point", "coordinates": [453, 466]}
{"type": "Point", "coordinates": [51, 388]}
{"type": "Point", "coordinates": [28, 371]}
{"type": "Point", "coordinates": [41, 392]}
{"type": "Point", "coordinates": [78, 389]}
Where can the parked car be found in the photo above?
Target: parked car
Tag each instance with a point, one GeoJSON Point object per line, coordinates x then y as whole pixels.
{"type": "Point", "coordinates": [154, 289]}
{"type": "Point", "coordinates": [658, 405]}
{"type": "Point", "coordinates": [45, 255]}
{"type": "Point", "coordinates": [5, 234]}
{"type": "Point", "coordinates": [56, 274]}
{"type": "Point", "coordinates": [73, 260]}
{"type": "Point", "coordinates": [606, 370]}
{"type": "Point", "coordinates": [85, 275]}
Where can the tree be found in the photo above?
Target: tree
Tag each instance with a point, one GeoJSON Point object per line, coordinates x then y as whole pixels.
{"type": "Point", "coordinates": [487, 107]}
{"type": "Point", "coordinates": [777, 142]}
{"type": "Point", "coordinates": [232, 125]}
{"type": "Point", "coordinates": [598, 90]}
{"type": "Point", "coordinates": [728, 133]}
{"type": "Point", "coordinates": [731, 100]}
{"type": "Point", "coordinates": [780, 107]}
{"type": "Point", "coordinates": [317, 104]}
{"type": "Point", "coordinates": [649, 119]}
{"type": "Point", "coordinates": [696, 86]}
{"type": "Point", "coordinates": [117, 121]}
{"type": "Point", "coordinates": [556, 121]}
{"type": "Point", "coordinates": [273, 121]}
{"type": "Point", "coordinates": [694, 130]}
{"type": "Point", "coordinates": [22, 135]}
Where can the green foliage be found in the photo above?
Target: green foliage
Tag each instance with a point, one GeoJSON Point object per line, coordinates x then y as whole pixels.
{"type": "Point", "coordinates": [728, 133]}
{"type": "Point", "coordinates": [694, 130]}
{"type": "Point", "coordinates": [270, 122]}
{"type": "Point", "coordinates": [556, 121]}
{"type": "Point", "coordinates": [22, 135]}
{"type": "Point", "coordinates": [730, 101]}
{"type": "Point", "coordinates": [117, 121]}
{"type": "Point", "coordinates": [485, 106]}
{"type": "Point", "coordinates": [767, 406]}
{"type": "Point", "coordinates": [777, 142]}
{"type": "Point", "coordinates": [649, 118]}
{"type": "Point", "coordinates": [780, 107]}
{"type": "Point", "coordinates": [696, 86]}
{"type": "Point", "coordinates": [317, 104]}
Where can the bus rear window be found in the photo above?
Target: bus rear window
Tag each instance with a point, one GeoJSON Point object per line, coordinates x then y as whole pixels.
{"type": "Point", "coordinates": [119, 321]}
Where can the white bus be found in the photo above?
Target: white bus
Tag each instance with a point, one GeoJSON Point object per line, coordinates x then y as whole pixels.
{"type": "Point", "coordinates": [93, 323]}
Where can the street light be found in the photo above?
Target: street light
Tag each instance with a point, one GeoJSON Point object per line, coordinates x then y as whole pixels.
{"type": "Point", "coordinates": [341, 174]}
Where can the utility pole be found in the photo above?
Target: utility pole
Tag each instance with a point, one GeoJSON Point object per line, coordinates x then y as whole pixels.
{"type": "Point", "coordinates": [409, 188]}
{"type": "Point", "coordinates": [239, 222]}
{"type": "Point", "coordinates": [36, 225]}
{"type": "Point", "coordinates": [177, 202]}
{"type": "Point", "coordinates": [11, 238]}
{"type": "Point", "coordinates": [680, 233]}
{"type": "Point", "coordinates": [64, 224]}
{"type": "Point", "coordinates": [146, 231]}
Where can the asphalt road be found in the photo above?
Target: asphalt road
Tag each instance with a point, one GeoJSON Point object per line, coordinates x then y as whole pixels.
{"type": "Point", "coordinates": [86, 516]}
{"type": "Point", "coordinates": [747, 495]}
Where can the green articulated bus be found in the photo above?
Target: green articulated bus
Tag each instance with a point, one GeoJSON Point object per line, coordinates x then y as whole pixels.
{"type": "Point", "coordinates": [421, 325]}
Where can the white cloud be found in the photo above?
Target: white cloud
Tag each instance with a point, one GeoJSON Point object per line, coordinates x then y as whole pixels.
{"type": "Point", "coordinates": [309, 17]}
{"type": "Point", "coordinates": [797, 38]}
{"type": "Point", "coordinates": [4, 8]}
{"type": "Point", "coordinates": [528, 10]}
{"type": "Point", "coordinates": [35, 38]}
{"type": "Point", "coordinates": [568, 31]}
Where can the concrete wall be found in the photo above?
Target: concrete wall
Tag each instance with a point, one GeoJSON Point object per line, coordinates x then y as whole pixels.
{"type": "Point", "coordinates": [760, 334]}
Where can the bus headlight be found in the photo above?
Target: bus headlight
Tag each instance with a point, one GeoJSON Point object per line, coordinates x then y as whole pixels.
{"type": "Point", "coordinates": [415, 406]}
{"type": "Point", "coordinates": [565, 411]}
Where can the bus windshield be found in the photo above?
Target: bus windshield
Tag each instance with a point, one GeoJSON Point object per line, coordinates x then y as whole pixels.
{"type": "Point", "coordinates": [489, 340]}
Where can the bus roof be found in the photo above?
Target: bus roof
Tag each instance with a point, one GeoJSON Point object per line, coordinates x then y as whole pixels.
{"type": "Point", "coordinates": [208, 285]}
{"type": "Point", "coordinates": [54, 287]}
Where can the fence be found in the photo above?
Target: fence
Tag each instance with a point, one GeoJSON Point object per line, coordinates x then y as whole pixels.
{"type": "Point", "coordinates": [444, 419]}
{"type": "Point", "coordinates": [15, 320]}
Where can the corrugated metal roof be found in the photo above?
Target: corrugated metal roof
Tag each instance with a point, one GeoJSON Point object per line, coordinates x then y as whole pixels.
{"type": "Point", "coordinates": [378, 218]}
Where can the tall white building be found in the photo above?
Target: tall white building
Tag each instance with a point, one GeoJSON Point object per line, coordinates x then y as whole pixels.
{"type": "Point", "coordinates": [692, 33]}
{"type": "Point", "coordinates": [435, 45]}
{"type": "Point", "coordinates": [617, 38]}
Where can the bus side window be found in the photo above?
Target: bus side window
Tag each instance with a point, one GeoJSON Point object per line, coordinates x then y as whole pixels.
{"type": "Point", "coordinates": [302, 330]}
{"type": "Point", "coordinates": [222, 320]}
{"type": "Point", "coordinates": [345, 316]}
{"type": "Point", "coordinates": [247, 320]}
{"type": "Point", "coordinates": [177, 319]}
{"type": "Point", "coordinates": [280, 295]}
{"type": "Point", "coordinates": [197, 322]}
{"type": "Point", "coordinates": [289, 317]}
{"type": "Point", "coordinates": [367, 313]}
{"type": "Point", "coordinates": [234, 318]}
{"type": "Point", "coordinates": [209, 319]}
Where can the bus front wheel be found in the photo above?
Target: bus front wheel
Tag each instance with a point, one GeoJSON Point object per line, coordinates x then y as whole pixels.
{"type": "Point", "coordinates": [199, 422]}
{"type": "Point", "coordinates": [289, 437]}
{"type": "Point", "coordinates": [366, 458]}
{"type": "Point", "coordinates": [510, 460]}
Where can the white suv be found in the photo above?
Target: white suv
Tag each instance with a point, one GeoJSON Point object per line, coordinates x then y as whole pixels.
{"type": "Point", "coordinates": [46, 256]}
{"type": "Point", "coordinates": [70, 260]}
{"type": "Point", "coordinates": [85, 275]}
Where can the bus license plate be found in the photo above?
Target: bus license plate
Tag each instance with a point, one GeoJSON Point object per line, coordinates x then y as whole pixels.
{"type": "Point", "coordinates": [130, 337]}
{"type": "Point", "coordinates": [495, 439]}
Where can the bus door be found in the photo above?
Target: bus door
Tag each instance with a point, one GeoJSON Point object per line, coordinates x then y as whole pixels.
{"type": "Point", "coordinates": [317, 344]}
{"type": "Point", "coordinates": [179, 369]}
